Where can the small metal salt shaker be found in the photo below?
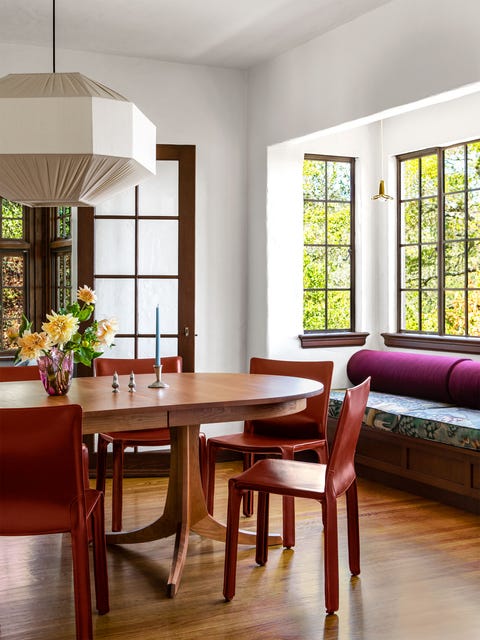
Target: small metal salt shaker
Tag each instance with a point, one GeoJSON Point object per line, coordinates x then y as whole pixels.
{"type": "Point", "coordinates": [115, 383]}
{"type": "Point", "coordinates": [131, 383]}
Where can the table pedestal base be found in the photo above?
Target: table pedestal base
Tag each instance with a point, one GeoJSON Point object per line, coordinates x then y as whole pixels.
{"type": "Point", "coordinates": [185, 508]}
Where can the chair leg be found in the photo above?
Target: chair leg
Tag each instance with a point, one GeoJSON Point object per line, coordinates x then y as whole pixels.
{"type": "Point", "coordinates": [210, 475]}
{"type": "Point", "coordinates": [81, 584]}
{"type": "Point", "coordinates": [117, 486]}
{"type": "Point", "coordinates": [261, 555]}
{"type": "Point", "coordinates": [202, 452]}
{"type": "Point", "coordinates": [288, 507]}
{"type": "Point", "coordinates": [100, 558]}
{"type": "Point", "coordinates": [231, 540]}
{"type": "Point", "coordinates": [248, 461]}
{"type": "Point", "coordinates": [330, 555]}
{"type": "Point", "coordinates": [102, 446]}
{"type": "Point", "coordinates": [353, 529]}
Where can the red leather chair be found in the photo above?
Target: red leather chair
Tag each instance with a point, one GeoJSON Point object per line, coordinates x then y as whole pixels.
{"type": "Point", "coordinates": [282, 436]}
{"type": "Point", "coordinates": [17, 374]}
{"type": "Point", "coordinates": [322, 482]}
{"type": "Point", "coordinates": [145, 438]}
{"type": "Point", "coordinates": [42, 492]}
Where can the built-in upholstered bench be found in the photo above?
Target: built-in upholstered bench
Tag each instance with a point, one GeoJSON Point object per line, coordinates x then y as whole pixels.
{"type": "Point", "coordinates": [416, 433]}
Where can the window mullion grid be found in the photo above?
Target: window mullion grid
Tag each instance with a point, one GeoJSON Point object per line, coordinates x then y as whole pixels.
{"type": "Point", "coordinates": [441, 241]}
{"type": "Point", "coordinates": [135, 288]}
{"type": "Point", "coordinates": [420, 247]}
{"type": "Point", "coordinates": [465, 243]}
{"type": "Point", "coordinates": [325, 257]}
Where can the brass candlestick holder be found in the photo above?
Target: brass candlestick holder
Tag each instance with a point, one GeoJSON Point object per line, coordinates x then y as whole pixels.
{"type": "Point", "coordinates": [158, 384]}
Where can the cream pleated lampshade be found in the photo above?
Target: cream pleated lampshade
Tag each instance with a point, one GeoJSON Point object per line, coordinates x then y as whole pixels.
{"type": "Point", "coordinates": [68, 140]}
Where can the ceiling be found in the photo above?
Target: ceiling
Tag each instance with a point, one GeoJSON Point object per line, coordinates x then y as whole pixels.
{"type": "Point", "coordinates": [228, 33]}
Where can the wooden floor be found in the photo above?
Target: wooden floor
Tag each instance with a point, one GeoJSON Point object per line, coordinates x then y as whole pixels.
{"type": "Point", "coordinates": [420, 578]}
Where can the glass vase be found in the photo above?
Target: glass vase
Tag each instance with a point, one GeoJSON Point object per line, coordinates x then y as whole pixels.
{"type": "Point", "coordinates": [56, 371]}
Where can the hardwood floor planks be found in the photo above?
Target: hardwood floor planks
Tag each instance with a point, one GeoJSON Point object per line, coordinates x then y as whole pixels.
{"type": "Point", "coordinates": [420, 578]}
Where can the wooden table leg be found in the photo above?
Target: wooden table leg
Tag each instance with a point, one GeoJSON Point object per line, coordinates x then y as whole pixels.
{"type": "Point", "coordinates": [185, 507]}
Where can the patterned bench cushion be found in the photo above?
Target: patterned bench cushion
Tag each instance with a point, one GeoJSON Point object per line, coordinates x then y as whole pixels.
{"type": "Point", "coordinates": [417, 418]}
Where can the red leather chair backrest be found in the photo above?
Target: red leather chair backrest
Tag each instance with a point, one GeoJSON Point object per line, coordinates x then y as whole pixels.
{"type": "Point", "coordinates": [340, 467]}
{"type": "Point", "coordinates": [41, 470]}
{"type": "Point", "coordinates": [124, 366]}
{"type": "Point", "coordinates": [317, 406]}
{"type": "Point", "coordinates": [16, 374]}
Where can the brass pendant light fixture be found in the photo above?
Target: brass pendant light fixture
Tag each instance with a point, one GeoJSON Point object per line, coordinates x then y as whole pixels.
{"type": "Point", "coordinates": [68, 140]}
{"type": "Point", "coordinates": [381, 195]}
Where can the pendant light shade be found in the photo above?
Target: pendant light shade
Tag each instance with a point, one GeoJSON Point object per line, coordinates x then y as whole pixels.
{"type": "Point", "coordinates": [68, 140]}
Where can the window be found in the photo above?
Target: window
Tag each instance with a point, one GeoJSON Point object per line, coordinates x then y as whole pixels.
{"type": "Point", "coordinates": [328, 258]}
{"type": "Point", "coordinates": [35, 263]}
{"type": "Point", "coordinates": [439, 242]}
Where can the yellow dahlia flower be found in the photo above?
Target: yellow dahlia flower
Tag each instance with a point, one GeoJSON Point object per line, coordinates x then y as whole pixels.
{"type": "Point", "coordinates": [33, 345]}
{"type": "Point", "coordinates": [61, 328]}
{"type": "Point", "coordinates": [87, 295]}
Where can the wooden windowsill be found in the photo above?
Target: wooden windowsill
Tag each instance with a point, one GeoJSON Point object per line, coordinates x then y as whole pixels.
{"type": "Point", "coordinates": [347, 339]}
{"type": "Point", "coordinates": [432, 342]}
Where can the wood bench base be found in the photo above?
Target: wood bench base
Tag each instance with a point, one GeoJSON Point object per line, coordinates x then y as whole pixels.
{"type": "Point", "coordinates": [430, 469]}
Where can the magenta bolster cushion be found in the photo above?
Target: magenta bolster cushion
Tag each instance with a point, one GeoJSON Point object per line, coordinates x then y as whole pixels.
{"type": "Point", "coordinates": [465, 384]}
{"type": "Point", "coordinates": [405, 374]}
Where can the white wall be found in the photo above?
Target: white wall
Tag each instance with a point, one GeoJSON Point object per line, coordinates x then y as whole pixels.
{"type": "Point", "coordinates": [401, 53]}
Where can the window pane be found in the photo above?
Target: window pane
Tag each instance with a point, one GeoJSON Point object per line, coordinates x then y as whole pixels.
{"type": "Point", "coordinates": [429, 267]}
{"type": "Point", "coordinates": [429, 168]}
{"type": "Point", "coordinates": [473, 156]}
{"type": "Point", "coordinates": [113, 238]}
{"type": "Point", "coordinates": [429, 220]}
{"type": "Point", "coordinates": [314, 268]}
{"type": "Point", "coordinates": [474, 264]}
{"type": "Point", "coordinates": [314, 310]}
{"type": "Point", "coordinates": [338, 267]}
{"type": "Point", "coordinates": [410, 270]}
{"type": "Point", "coordinates": [12, 220]}
{"type": "Point", "coordinates": [454, 313]}
{"type": "Point", "coordinates": [411, 311]}
{"type": "Point", "coordinates": [454, 168]}
{"type": "Point", "coordinates": [430, 311]}
{"type": "Point", "coordinates": [474, 214]}
{"type": "Point", "coordinates": [454, 217]}
{"type": "Point", "coordinates": [158, 195]}
{"type": "Point", "coordinates": [454, 265]}
{"type": "Point", "coordinates": [116, 297]}
{"type": "Point", "coordinates": [163, 292]}
{"type": "Point", "coordinates": [474, 313]}
{"type": "Point", "coordinates": [338, 310]}
{"type": "Point", "coordinates": [314, 223]}
{"type": "Point", "coordinates": [158, 240]}
{"type": "Point", "coordinates": [410, 221]}
{"type": "Point", "coordinates": [410, 179]}
{"type": "Point", "coordinates": [314, 173]}
{"type": "Point", "coordinates": [338, 227]}
{"type": "Point", "coordinates": [338, 181]}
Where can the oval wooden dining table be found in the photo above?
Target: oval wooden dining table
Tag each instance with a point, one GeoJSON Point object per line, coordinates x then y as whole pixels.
{"type": "Point", "coordinates": [190, 400]}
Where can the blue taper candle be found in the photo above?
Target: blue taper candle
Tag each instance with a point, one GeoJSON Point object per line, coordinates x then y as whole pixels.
{"type": "Point", "coordinates": [157, 337]}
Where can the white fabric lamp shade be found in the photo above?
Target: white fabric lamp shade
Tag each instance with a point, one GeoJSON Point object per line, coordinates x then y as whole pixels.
{"type": "Point", "coordinates": [66, 140]}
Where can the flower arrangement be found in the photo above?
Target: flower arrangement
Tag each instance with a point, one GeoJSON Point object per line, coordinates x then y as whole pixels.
{"type": "Point", "coordinates": [61, 335]}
